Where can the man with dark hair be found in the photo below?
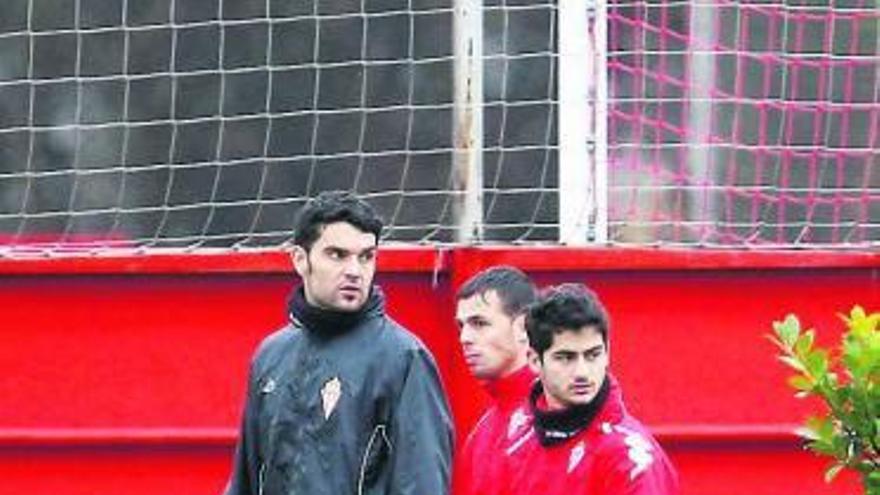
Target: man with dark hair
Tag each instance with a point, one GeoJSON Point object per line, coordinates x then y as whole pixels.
{"type": "Point", "coordinates": [342, 400]}
{"type": "Point", "coordinates": [490, 315]}
{"type": "Point", "coordinates": [579, 438]}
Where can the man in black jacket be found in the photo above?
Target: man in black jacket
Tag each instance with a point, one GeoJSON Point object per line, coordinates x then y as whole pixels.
{"type": "Point", "coordinates": [342, 400]}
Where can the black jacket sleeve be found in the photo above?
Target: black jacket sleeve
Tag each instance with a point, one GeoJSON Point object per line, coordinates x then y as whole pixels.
{"type": "Point", "coordinates": [246, 464]}
{"type": "Point", "coordinates": [421, 431]}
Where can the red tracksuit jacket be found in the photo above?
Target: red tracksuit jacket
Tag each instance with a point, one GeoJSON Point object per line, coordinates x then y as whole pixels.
{"type": "Point", "coordinates": [475, 471]}
{"type": "Point", "coordinates": [613, 455]}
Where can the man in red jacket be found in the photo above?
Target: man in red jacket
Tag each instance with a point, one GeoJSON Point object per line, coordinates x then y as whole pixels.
{"type": "Point", "coordinates": [579, 438]}
{"type": "Point", "coordinates": [489, 314]}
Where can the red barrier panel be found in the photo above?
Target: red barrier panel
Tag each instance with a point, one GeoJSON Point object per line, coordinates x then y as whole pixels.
{"type": "Point", "coordinates": [125, 375]}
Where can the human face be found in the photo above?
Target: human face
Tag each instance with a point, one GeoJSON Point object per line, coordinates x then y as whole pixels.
{"type": "Point", "coordinates": [573, 369]}
{"type": "Point", "coordinates": [337, 272]}
{"type": "Point", "coordinates": [493, 342]}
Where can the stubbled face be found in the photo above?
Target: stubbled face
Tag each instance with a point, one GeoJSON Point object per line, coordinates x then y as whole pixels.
{"type": "Point", "coordinates": [338, 270]}
{"type": "Point", "coordinates": [573, 368]}
{"type": "Point", "coordinates": [494, 344]}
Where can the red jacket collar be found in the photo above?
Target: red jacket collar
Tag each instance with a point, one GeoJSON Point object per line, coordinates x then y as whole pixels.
{"type": "Point", "coordinates": [613, 410]}
{"type": "Point", "coordinates": [513, 388]}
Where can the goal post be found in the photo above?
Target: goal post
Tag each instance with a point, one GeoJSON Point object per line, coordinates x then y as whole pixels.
{"type": "Point", "coordinates": [467, 131]}
{"type": "Point", "coordinates": [583, 100]}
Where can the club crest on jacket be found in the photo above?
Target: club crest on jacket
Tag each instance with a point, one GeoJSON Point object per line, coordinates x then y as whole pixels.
{"type": "Point", "coordinates": [576, 456]}
{"type": "Point", "coordinates": [330, 394]}
{"type": "Point", "coordinates": [517, 420]}
{"type": "Point", "coordinates": [268, 386]}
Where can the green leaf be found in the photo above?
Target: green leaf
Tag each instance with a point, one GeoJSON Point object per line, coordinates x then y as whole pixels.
{"type": "Point", "coordinates": [820, 431]}
{"type": "Point", "coordinates": [862, 325]}
{"type": "Point", "coordinates": [857, 312]}
{"type": "Point", "coordinates": [832, 380]}
{"type": "Point", "coordinates": [804, 343]}
{"type": "Point", "coordinates": [824, 448]}
{"type": "Point", "coordinates": [778, 343]}
{"type": "Point", "coordinates": [801, 382]}
{"type": "Point", "coordinates": [850, 431]}
{"type": "Point", "coordinates": [793, 362]}
{"type": "Point", "coordinates": [849, 384]}
{"type": "Point", "coordinates": [788, 330]}
{"type": "Point", "coordinates": [873, 346]}
{"type": "Point", "coordinates": [833, 471]}
{"type": "Point", "coordinates": [816, 362]}
{"type": "Point", "coordinates": [854, 354]}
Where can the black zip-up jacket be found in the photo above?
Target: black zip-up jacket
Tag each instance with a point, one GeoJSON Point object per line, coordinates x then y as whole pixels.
{"type": "Point", "coordinates": [360, 413]}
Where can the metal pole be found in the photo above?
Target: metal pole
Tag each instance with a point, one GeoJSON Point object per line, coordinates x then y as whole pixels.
{"type": "Point", "coordinates": [577, 71]}
{"type": "Point", "coordinates": [468, 117]}
{"type": "Point", "coordinates": [701, 78]}
{"type": "Point", "coordinates": [600, 134]}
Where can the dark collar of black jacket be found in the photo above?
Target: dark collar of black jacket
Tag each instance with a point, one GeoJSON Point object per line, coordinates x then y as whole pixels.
{"type": "Point", "coordinates": [327, 323]}
{"type": "Point", "coordinates": [553, 427]}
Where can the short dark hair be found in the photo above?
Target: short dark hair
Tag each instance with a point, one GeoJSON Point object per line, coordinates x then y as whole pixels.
{"type": "Point", "coordinates": [331, 207]}
{"type": "Point", "coordinates": [514, 288]}
{"type": "Point", "coordinates": [564, 308]}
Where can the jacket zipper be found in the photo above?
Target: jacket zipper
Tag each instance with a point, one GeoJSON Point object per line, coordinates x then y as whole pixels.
{"type": "Point", "coordinates": [262, 478]}
{"type": "Point", "coordinates": [361, 478]}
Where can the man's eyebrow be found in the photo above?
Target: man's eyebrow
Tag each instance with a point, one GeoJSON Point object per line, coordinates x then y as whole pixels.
{"type": "Point", "coordinates": [477, 319]}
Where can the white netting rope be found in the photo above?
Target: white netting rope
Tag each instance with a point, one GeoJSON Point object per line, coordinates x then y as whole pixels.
{"type": "Point", "coordinates": [207, 124]}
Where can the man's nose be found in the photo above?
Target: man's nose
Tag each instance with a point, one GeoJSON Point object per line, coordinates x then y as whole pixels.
{"type": "Point", "coordinates": [352, 268]}
{"type": "Point", "coordinates": [581, 368]}
{"type": "Point", "coordinates": [465, 335]}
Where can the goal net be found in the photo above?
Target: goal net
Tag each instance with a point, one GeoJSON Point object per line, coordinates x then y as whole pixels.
{"type": "Point", "coordinates": [744, 123]}
{"type": "Point", "coordinates": [208, 123]}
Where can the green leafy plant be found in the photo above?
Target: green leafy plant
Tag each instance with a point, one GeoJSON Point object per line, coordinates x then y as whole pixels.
{"type": "Point", "coordinates": [847, 380]}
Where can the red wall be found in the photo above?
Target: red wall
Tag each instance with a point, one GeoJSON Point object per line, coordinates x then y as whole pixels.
{"type": "Point", "coordinates": [125, 375]}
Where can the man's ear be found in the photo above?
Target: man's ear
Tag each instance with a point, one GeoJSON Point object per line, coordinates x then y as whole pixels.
{"type": "Point", "coordinates": [300, 259]}
{"type": "Point", "coordinates": [534, 361]}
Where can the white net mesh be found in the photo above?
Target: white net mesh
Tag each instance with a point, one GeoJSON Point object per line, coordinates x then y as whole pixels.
{"type": "Point", "coordinates": [208, 123]}
{"type": "Point", "coordinates": [745, 123]}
